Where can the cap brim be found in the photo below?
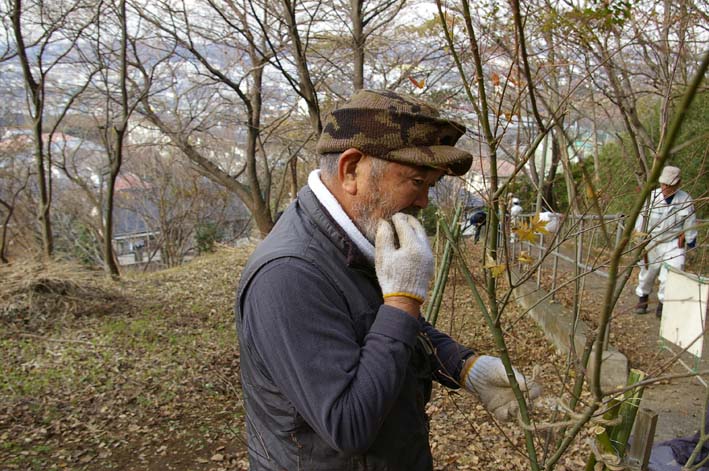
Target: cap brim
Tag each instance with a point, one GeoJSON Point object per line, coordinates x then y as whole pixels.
{"type": "Point", "coordinates": [668, 181]}
{"type": "Point", "coordinates": [451, 159]}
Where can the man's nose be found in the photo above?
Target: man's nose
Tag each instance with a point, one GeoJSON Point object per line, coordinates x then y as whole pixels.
{"type": "Point", "coordinates": [421, 201]}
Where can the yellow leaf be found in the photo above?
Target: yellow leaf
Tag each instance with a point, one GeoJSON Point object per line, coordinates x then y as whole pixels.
{"type": "Point", "coordinates": [525, 233]}
{"type": "Point", "coordinates": [528, 231]}
{"type": "Point", "coordinates": [590, 193]}
{"type": "Point", "coordinates": [524, 257]}
{"type": "Point", "coordinates": [496, 270]}
{"type": "Point", "coordinates": [538, 225]}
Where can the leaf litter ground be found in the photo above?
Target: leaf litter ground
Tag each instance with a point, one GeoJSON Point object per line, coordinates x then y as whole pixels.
{"type": "Point", "coordinates": [149, 379]}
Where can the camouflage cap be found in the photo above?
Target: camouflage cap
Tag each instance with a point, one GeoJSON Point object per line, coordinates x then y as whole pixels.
{"type": "Point", "coordinates": [395, 127]}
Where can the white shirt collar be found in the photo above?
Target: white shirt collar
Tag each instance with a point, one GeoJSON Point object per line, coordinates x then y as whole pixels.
{"type": "Point", "coordinates": [338, 214]}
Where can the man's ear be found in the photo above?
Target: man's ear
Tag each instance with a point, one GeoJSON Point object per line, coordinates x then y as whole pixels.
{"type": "Point", "coordinates": [348, 167]}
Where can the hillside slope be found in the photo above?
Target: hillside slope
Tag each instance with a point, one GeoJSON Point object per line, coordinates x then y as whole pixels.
{"type": "Point", "coordinates": [151, 380]}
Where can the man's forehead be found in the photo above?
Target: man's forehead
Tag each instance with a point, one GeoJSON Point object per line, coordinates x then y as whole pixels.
{"type": "Point", "coordinates": [419, 170]}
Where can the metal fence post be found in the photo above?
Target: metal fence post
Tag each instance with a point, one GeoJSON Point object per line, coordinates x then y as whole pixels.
{"type": "Point", "coordinates": [539, 259]}
{"type": "Point", "coordinates": [554, 272]}
{"type": "Point", "coordinates": [619, 226]}
{"type": "Point", "coordinates": [579, 251]}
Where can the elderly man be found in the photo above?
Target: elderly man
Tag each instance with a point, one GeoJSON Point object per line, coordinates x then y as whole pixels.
{"type": "Point", "coordinates": [669, 221]}
{"type": "Point", "coordinates": [336, 361]}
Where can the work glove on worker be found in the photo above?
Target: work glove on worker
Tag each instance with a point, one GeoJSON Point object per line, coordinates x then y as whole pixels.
{"type": "Point", "coordinates": [403, 269]}
{"type": "Point", "coordinates": [486, 377]}
{"type": "Point", "coordinates": [682, 242]}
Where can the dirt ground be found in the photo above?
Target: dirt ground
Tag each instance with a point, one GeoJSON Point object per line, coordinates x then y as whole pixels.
{"type": "Point", "coordinates": [679, 399]}
{"type": "Point", "coordinates": [149, 378]}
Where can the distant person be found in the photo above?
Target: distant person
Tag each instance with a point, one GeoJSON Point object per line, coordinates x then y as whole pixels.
{"type": "Point", "coordinates": [477, 220]}
{"type": "Point", "coordinates": [552, 220]}
{"type": "Point", "coordinates": [337, 362]}
{"type": "Point", "coordinates": [669, 215]}
{"type": "Point", "coordinates": [515, 212]}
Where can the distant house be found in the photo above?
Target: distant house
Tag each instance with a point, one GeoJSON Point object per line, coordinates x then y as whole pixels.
{"type": "Point", "coordinates": [478, 178]}
{"type": "Point", "coordinates": [141, 209]}
{"type": "Point", "coordinates": [134, 240]}
{"type": "Point", "coordinates": [130, 181]}
{"type": "Point", "coordinates": [451, 191]}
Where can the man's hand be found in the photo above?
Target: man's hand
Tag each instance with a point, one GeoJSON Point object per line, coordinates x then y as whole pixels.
{"type": "Point", "coordinates": [486, 376]}
{"type": "Point", "coordinates": [404, 270]}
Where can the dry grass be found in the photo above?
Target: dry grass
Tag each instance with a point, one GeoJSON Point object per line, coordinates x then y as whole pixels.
{"type": "Point", "coordinates": [34, 293]}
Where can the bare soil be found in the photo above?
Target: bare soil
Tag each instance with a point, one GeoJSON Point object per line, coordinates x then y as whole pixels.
{"type": "Point", "coordinates": [679, 394]}
{"type": "Point", "coordinates": [678, 400]}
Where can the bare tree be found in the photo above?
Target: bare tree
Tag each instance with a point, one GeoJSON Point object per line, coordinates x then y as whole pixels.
{"type": "Point", "coordinates": [232, 84]}
{"type": "Point", "coordinates": [45, 36]}
{"type": "Point", "coordinates": [173, 200]}
{"type": "Point", "coordinates": [15, 175]}
{"type": "Point", "coordinates": [122, 95]}
{"type": "Point", "coordinates": [635, 54]}
{"type": "Point", "coordinates": [544, 78]}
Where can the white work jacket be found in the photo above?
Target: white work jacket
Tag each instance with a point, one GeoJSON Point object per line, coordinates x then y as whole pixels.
{"type": "Point", "coordinates": [668, 221]}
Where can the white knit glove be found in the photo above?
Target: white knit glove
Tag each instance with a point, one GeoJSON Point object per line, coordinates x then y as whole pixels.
{"type": "Point", "coordinates": [488, 379]}
{"type": "Point", "coordinates": [406, 269]}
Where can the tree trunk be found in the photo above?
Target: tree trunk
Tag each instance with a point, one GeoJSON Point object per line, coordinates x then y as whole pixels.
{"type": "Point", "coordinates": [35, 91]}
{"type": "Point", "coordinates": [109, 256]}
{"type": "Point", "coordinates": [562, 147]}
{"type": "Point", "coordinates": [44, 178]}
{"type": "Point", "coordinates": [113, 140]}
{"type": "Point", "coordinates": [294, 177]}
{"type": "Point", "coordinates": [306, 89]}
{"type": "Point", "coordinates": [261, 209]}
{"type": "Point", "coordinates": [357, 44]}
{"type": "Point", "coordinates": [3, 234]}
{"type": "Point", "coordinates": [548, 188]}
{"type": "Point", "coordinates": [540, 175]}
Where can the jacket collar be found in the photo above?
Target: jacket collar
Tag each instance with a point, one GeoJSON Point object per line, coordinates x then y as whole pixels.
{"type": "Point", "coordinates": [326, 224]}
{"type": "Point", "coordinates": [337, 214]}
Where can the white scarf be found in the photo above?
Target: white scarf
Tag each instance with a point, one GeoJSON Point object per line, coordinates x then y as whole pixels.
{"type": "Point", "coordinates": [339, 215]}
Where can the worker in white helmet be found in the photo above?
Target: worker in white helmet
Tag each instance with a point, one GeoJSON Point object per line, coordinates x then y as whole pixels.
{"type": "Point", "coordinates": [670, 228]}
{"type": "Point", "coordinates": [515, 219]}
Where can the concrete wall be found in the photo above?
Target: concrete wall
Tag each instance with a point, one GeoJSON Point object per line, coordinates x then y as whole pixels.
{"type": "Point", "coordinates": [557, 323]}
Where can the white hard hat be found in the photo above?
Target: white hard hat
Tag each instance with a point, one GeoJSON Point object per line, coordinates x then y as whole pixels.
{"type": "Point", "coordinates": [670, 175]}
{"type": "Point", "coordinates": [515, 200]}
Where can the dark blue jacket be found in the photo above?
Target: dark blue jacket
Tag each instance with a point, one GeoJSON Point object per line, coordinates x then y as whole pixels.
{"type": "Point", "coordinates": [478, 218]}
{"type": "Point", "coordinates": [332, 378]}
